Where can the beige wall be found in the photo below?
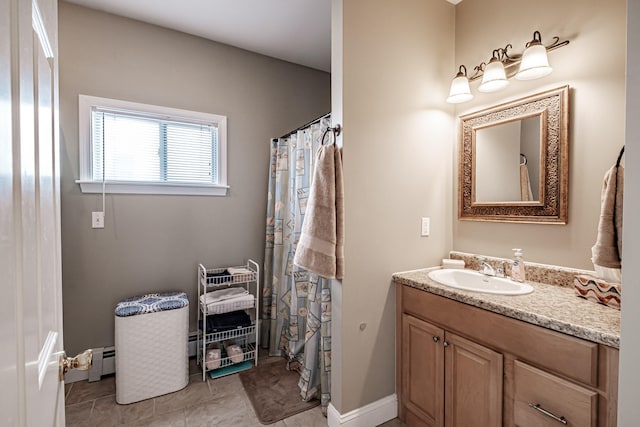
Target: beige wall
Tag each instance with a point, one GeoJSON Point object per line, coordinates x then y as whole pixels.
{"type": "Point", "coordinates": [153, 243]}
{"type": "Point", "coordinates": [593, 64]}
{"type": "Point", "coordinates": [628, 408]}
{"type": "Point", "coordinates": [398, 139]}
{"type": "Point", "coordinates": [395, 64]}
{"type": "Point", "coordinates": [336, 118]}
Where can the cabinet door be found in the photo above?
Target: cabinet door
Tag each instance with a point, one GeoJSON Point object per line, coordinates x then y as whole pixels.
{"type": "Point", "coordinates": [422, 372]}
{"type": "Point", "coordinates": [473, 378]}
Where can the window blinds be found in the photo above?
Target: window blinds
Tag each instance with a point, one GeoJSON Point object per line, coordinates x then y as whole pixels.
{"type": "Point", "coordinates": [129, 146]}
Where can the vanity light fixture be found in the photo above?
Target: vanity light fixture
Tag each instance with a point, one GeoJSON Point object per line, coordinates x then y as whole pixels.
{"type": "Point", "coordinates": [502, 66]}
{"type": "Point", "coordinates": [534, 63]}
{"type": "Point", "coordinates": [460, 90]}
{"type": "Point", "coordinates": [494, 77]}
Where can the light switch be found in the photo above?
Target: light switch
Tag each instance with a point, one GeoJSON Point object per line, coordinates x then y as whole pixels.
{"type": "Point", "coordinates": [97, 219]}
{"type": "Point", "coordinates": [425, 226]}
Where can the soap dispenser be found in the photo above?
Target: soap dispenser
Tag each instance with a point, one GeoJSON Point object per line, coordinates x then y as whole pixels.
{"type": "Point", "coordinates": [517, 269]}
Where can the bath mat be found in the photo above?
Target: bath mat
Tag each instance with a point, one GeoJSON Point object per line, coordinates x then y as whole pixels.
{"type": "Point", "coordinates": [274, 391]}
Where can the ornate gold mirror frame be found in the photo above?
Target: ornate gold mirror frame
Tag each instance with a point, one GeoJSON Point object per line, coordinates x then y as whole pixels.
{"type": "Point", "coordinates": [552, 106]}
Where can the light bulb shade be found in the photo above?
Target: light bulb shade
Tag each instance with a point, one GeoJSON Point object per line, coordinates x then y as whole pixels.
{"type": "Point", "coordinates": [534, 64]}
{"type": "Point", "coordinates": [460, 90]}
{"type": "Point", "coordinates": [494, 77]}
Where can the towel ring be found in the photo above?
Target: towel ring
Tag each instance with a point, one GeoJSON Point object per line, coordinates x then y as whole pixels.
{"type": "Point", "coordinates": [620, 157]}
{"type": "Point", "coordinates": [337, 129]}
{"type": "Point", "coordinates": [522, 156]}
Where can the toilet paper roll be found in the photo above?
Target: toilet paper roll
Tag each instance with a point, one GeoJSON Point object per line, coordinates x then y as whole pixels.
{"type": "Point", "coordinates": [452, 263]}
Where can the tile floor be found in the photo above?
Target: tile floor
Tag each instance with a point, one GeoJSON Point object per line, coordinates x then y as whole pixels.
{"type": "Point", "coordinates": [219, 402]}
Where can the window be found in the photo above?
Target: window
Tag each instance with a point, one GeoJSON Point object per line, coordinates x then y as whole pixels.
{"type": "Point", "coordinates": [127, 147]}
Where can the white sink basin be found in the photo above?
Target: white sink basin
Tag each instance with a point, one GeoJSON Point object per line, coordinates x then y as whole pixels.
{"type": "Point", "coordinates": [470, 280]}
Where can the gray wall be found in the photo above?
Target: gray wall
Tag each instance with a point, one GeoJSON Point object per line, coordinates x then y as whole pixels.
{"type": "Point", "coordinates": [153, 243]}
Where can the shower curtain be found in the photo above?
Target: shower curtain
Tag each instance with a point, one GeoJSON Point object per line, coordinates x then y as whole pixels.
{"type": "Point", "coordinates": [296, 303]}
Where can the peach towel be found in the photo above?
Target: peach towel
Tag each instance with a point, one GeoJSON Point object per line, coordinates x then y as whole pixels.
{"type": "Point", "coordinates": [525, 185]}
{"type": "Point", "coordinates": [607, 252]}
{"type": "Point", "coordinates": [320, 248]}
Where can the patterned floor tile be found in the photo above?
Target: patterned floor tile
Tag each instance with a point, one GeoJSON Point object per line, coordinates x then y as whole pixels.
{"type": "Point", "coordinates": [136, 412]}
{"type": "Point", "coordinates": [78, 414]}
{"type": "Point", "coordinates": [225, 410]}
{"type": "Point", "coordinates": [311, 418]}
{"type": "Point", "coordinates": [105, 412]}
{"type": "Point", "coordinates": [196, 393]}
{"type": "Point", "coordinates": [219, 402]}
{"type": "Point", "coordinates": [222, 386]}
{"type": "Point", "coordinates": [82, 391]}
{"type": "Point", "coordinates": [173, 419]}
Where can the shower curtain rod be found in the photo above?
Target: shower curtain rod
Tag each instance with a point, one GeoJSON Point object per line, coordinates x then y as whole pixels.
{"type": "Point", "coordinates": [304, 126]}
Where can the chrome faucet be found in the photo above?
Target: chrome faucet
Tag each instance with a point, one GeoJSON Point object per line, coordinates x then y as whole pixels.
{"type": "Point", "coordinates": [485, 268]}
{"type": "Point", "coordinates": [500, 269]}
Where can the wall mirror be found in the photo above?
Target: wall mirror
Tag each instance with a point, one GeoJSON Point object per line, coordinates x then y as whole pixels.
{"type": "Point", "coordinates": [513, 160]}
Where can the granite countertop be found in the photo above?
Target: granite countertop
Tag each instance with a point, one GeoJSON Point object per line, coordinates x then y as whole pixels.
{"type": "Point", "coordinates": [550, 306]}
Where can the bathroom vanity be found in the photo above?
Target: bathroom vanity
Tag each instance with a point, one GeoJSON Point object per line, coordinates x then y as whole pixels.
{"type": "Point", "coordinates": [465, 358]}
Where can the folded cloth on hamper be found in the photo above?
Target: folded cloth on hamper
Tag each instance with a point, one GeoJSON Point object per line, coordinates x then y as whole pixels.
{"type": "Point", "coordinates": [232, 304]}
{"type": "Point", "coordinates": [227, 321]}
{"type": "Point", "coordinates": [151, 303]}
{"type": "Point", "coordinates": [222, 294]}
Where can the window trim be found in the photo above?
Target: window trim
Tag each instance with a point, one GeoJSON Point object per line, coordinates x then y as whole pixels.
{"type": "Point", "coordinates": [89, 185]}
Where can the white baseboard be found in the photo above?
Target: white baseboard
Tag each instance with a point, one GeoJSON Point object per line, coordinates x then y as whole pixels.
{"type": "Point", "coordinates": [373, 414]}
{"type": "Point", "coordinates": [75, 376]}
{"type": "Point", "coordinates": [105, 364]}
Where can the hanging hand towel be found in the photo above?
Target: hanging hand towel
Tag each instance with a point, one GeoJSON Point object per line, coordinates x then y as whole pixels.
{"type": "Point", "coordinates": [525, 185]}
{"type": "Point", "coordinates": [320, 248]}
{"type": "Point", "coordinates": [607, 252]}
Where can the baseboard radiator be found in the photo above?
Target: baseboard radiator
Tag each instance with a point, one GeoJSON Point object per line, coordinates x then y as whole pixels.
{"type": "Point", "coordinates": [104, 362]}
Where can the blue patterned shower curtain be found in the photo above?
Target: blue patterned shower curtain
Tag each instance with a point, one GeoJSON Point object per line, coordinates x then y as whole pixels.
{"type": "Point", "coordinates": [296, 304]}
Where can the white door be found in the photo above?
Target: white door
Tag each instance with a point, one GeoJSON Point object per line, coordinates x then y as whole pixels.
{"type": "Point", "coordinates": [30, 266]}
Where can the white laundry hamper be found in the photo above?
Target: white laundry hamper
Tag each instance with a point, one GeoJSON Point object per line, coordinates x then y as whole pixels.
{"type": "Point", "coordinates": [151, 340]}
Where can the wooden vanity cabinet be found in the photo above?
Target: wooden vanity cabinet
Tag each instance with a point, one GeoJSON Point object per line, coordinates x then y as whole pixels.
{"type": "Point", "coordinates": [448, 380]}
{"type": "Point", "coordinates": [460, 365]}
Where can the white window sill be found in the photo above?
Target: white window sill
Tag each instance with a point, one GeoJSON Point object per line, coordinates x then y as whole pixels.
{"type": "Point", "coordinates": [124, 187]}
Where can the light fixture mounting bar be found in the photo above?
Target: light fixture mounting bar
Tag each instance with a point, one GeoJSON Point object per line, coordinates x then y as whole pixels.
{"type": "Point", "coordinates": [510, 60]}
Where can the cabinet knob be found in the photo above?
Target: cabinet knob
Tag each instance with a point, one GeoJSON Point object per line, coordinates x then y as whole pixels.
{"type": "Point", "coordinates": [436, 339]}
{"type": "Point", "coordinates": [445, 343]}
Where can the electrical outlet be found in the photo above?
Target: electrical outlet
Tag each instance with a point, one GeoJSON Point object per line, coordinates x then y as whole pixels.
{"type": "Point", "coordinates": [425, 226]}
{"type": "Point", "coordinates": [97, 219]}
